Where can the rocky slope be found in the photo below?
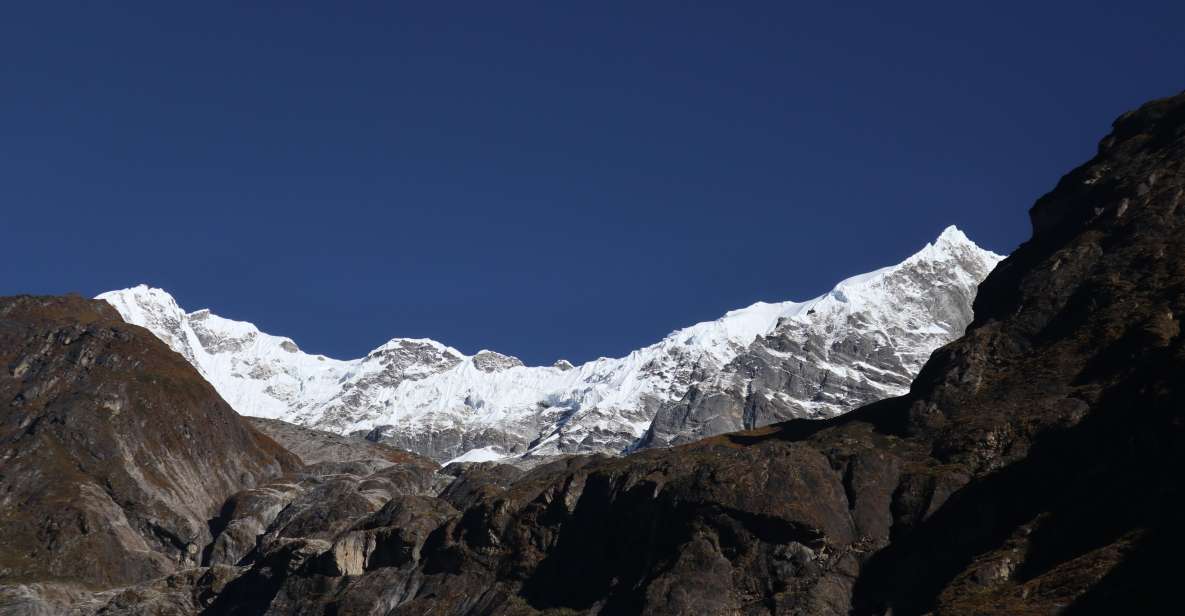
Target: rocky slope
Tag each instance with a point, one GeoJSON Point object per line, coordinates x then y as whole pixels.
{"type": "Point", "coordinates": [124, 477]}
{"type": "Point", "coordinates": [114, 453]}
{"type": "Point", "coordinates": [861, 342]}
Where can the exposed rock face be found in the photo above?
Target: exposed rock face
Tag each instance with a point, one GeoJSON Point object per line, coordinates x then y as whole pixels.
{"type": "Point", "coordinates": [489, 361]}
{"type": "Point", "coordinates": [114, 452]}
{"type": "Point", "coordinates": [318, 503]}
{"type": "Point", "coordinates": [1059, 416]}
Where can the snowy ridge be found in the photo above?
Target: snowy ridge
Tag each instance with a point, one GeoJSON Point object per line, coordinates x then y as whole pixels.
{"type": "Point", "coordinates": [863, 341]}
{"type": "Point", "coordinates": [256, 373]}
{"type": "Point", "coordinates": [433, 399]}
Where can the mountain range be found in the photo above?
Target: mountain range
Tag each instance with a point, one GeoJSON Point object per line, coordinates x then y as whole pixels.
{"type": "Point", "coordinates": [1032, 467]}
{"type": "Point", "coordinates": [862, 341]}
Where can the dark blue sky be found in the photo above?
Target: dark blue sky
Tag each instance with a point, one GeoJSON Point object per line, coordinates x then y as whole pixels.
{"type": "Point", "coordinates": [539, 179]}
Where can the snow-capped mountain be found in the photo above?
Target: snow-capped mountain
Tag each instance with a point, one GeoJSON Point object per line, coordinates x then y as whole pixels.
{"type": "Point", "coordinates": [862, 341]}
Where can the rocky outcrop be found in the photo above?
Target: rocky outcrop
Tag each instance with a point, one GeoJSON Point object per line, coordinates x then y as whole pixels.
{"type": "Point", "coordinates": [490, 361]}
{"type": "Point", "coordinates": [317, 503]}
{"type": "Point", "coordinates": [115, 452]}
{"type": "Point", "coordinates": [1057, 420]}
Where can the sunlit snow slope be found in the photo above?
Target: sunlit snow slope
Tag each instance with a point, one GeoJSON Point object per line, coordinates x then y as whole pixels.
{"type": "Point", "coordinates": [862, 341]}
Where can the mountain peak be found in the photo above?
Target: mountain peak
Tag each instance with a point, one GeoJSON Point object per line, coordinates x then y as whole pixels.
{"type": "Point", "coordinates": [952, 234]}
{"type": "Point", "coordinates": [954, 245]}
{"type": "Point", "coordinates": [141, 294]}
{"type": "Point", "coordinates": [428, 343]}
{"type": "Point", "coordinates": [952, 239]}
{"type": "Point", "coordinates": [493, 361]}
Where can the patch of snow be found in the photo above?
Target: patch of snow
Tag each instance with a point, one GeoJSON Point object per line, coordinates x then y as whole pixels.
{"type": "Point", "coordinates": [483, 454]}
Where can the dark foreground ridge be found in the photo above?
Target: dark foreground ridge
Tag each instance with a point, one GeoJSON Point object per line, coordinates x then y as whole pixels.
{"type": "Point", "coordinates": [114, 452]}
{"type": "Point", "coordinates": [1033, 469]}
